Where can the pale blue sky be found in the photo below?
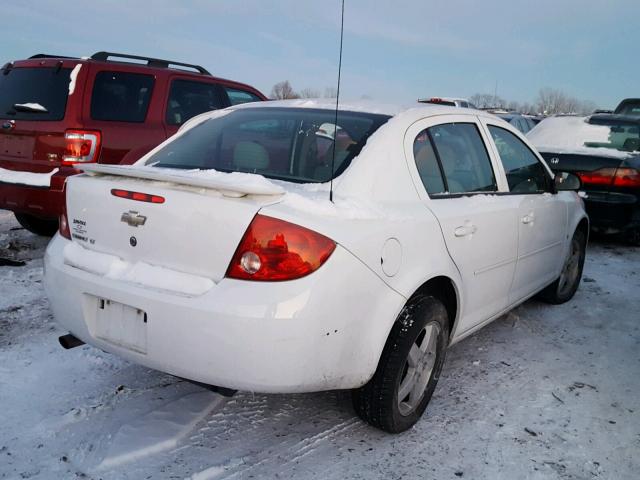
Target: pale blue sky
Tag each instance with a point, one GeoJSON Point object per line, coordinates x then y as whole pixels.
{"type": "Point", "coordinates": [393, 50]}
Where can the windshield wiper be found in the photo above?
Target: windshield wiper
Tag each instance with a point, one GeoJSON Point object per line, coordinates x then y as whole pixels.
{"type": "Point", "coordinates": [29, 107]}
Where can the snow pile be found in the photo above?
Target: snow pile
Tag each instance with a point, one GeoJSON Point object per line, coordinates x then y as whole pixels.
{"type": "Point", "coordinates": [569, 135]}
{"type": "Point", "coordinates": [140, 273]}
{"type": "Point", "coordinates": [230, 180]}
{"type": "Point", "coordinates": [73, 77]}
{"type": "Point", "coordinates": [159, 430]}
{"type": "Point", "coordinates": [34, 107]}
{"type": "Point", "coordinates": [313, 198]}
{"type": "Point", "coordinates": [228, 183]}
{"type": "Point", "coordinates": [27, 178]}
{"type": "Point", "coordinates": [341, 207]}
{"type": "Point", "coordinates": [362, 105]}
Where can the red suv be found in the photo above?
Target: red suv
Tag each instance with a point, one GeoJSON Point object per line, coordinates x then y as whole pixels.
{"type": "Point", "coordinates": [110, 108]}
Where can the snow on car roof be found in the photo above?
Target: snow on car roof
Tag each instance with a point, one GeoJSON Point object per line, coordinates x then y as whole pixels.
{"type": "Point", "coordinates": [568, 134]}
{"type": "Point", "coordinates": [365, 106]}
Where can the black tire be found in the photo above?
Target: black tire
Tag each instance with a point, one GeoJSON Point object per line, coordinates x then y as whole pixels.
{"type": "Point", "coordinates": [377, 402]}
{"type": "Point", "coordinates": [40, 226]}
{"type": "Point", "coordinates": [562, 289]}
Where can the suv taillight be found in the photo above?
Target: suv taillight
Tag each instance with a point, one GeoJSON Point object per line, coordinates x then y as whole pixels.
{"type": "Point", "coordinates": [63, 220]}
{"type": "Point", "coordinates": [81, 146]}
{"type": "Point", "coordinates": [275, 250]}
{"type": "Point", "coordinates": [615, 177]}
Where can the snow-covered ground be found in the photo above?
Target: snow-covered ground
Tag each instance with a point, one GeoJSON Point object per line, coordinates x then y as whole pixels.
{"type": "Point", "coordinates": [544, 392]}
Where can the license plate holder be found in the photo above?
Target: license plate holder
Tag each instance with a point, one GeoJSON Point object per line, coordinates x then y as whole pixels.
{"type": "Point", "coordinates": [121, 324]}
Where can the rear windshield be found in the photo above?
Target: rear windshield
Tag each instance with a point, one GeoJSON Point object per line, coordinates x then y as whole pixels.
{"type": "Point", "coordinates": [620, 136]}
{"type": "Point", "coordinates": [292, 144]}
{"type": "Point", "coordinates": [34, 93]}
{"type": "Point", "coordinates": [571, 134]}
{"type": "Point", "coordinates": [629, 108]}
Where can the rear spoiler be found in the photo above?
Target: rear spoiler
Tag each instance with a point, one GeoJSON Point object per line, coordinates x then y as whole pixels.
{"type": "Point", "coordinates": [234, 184]}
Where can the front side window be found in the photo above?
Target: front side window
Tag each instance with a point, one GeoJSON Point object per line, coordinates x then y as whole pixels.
{"type": "Point", "coordinates": [525, 173]}
{"type": "Point", "coordinates": [452, 158]}
{"type": "Point", "coordinates": [294, 144]}
{"type": "Point", "coordinates": [236, 97]}
{"type": "Point", "coordinates": [188, 99]}
{"type": "Point", "coordinates": [121, 96]}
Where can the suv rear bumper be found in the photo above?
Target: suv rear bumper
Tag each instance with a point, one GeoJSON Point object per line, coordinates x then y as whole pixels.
{"type": "Point", "coordinates": [43, 202]}
{"type": "Point", "coordinates": [321, 332]}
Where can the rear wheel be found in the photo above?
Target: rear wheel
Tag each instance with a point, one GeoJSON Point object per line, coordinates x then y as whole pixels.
{"type": "Point", "coordinates": [564, 288]}
{"type": "Point", "coordinates": [409, 368]}
{"type": "Point", "coordinates": [39, 226]}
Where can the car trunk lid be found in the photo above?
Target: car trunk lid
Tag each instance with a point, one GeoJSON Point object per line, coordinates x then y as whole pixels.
{"type": "Point", "coordinates": [596, 172]}
{"type": "Point", "coordinates": [195, 228]}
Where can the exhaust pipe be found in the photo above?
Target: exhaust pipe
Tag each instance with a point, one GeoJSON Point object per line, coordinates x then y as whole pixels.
{"type": "Point", "coordinates": [69, 341]}
{"type": "Point", "coordinates": [225, 392]}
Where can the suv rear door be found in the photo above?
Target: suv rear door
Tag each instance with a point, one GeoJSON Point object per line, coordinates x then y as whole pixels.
{"type": "Point", "coordinates": [457, 178]}
{"type": "Point", "coordinates": [125, 105]}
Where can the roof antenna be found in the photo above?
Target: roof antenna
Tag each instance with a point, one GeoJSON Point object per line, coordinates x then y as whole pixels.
{"type": "Point", "coordinates": [335, 131]}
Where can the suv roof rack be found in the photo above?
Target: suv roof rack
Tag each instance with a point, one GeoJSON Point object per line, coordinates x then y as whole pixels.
{"type": "Point", "coordinates": [151, 62]}
{"type": "Point", "coordinates": [46, 55]}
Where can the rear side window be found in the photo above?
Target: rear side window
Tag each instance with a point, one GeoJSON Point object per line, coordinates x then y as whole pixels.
{"type": "Point", "coordinates": [34, 93]}
{"type": "Point", "coordinates": [525, 173]}
{"type": "Point", "coordinates": [452, 158]}
{"type": "Point", "coordinates": [237, 97]}
{"type": "Point", "coordinates": [294, 144]}
{"type": "Point", "coordinates": [188, 99]}
{"type": "Point", "coordinates": [121, 97]}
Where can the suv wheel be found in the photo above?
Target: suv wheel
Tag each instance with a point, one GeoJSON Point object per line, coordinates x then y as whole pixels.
{"type": "Point", "coordinates": [37, 225]}
{"type": "Point", "coordinates": [409, 368]}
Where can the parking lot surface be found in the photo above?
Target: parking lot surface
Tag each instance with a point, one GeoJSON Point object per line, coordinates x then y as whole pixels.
{"type": "Point", "coordinates": [543, 392]}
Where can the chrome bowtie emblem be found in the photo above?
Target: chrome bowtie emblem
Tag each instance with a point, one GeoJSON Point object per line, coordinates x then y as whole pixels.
{"type": "Point", "coordinates": [133, 219]}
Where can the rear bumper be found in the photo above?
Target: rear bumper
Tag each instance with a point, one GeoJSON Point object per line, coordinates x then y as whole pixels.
{"type": "Point", "coordinates": [613, 211]}
{"type": "Point", "coordinates": [43, 202]}
{"type": "Point", "coordinates": [324, 331]}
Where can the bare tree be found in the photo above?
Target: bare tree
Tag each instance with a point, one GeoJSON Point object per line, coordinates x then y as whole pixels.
{"type": "Point", "coordinates": [487, 100]}
{"type": "Point", "coordinates": [551, 101]}
{"type": "Point", "coordinates": [283, 90]}
{"type": "Point", "coordinates": [330, 92]}
{"type": "Point", "coordinates": [309, 93]}
{"type": "Point", "coordinates": [513, 106]}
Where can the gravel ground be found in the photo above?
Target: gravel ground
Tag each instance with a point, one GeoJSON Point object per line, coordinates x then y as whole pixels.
{"type": "Point", "coordinates": [543, 392]}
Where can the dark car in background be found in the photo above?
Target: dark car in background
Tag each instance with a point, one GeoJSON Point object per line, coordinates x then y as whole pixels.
{"type": "Point", "coordinates": [604, 151]}
{"type": "Point", "coordinates": [521, 122]}
{"type": "Point", "coordinates": [110, 108]}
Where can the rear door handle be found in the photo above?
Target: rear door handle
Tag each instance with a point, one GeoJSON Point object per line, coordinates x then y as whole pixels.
{"type": "Point", "coordinates": [468, 229]}
{"type": "Point", "coordinates": [528, 218]}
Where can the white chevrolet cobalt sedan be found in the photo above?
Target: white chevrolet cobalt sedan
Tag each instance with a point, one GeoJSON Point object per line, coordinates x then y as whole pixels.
{"type": "Point", "coordinates": [279, 247]}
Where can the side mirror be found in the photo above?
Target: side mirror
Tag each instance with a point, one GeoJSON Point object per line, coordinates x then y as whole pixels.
{"type": "Point", "coordinates": [567, 181]}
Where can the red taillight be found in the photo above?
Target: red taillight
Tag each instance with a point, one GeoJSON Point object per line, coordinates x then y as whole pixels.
{"type": "Point", "coordinates": [627, 177]}
{"type": "Point", "coordinates": [138, 196]}
{"type": "Point", "coordinates": [81, 146]}
{"type": "Point", "coordinates": [275, 250]}
{"type": "Point", "coordinates": [611, 176]}
{"type": "Point", "coordinates": [63, 220]}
